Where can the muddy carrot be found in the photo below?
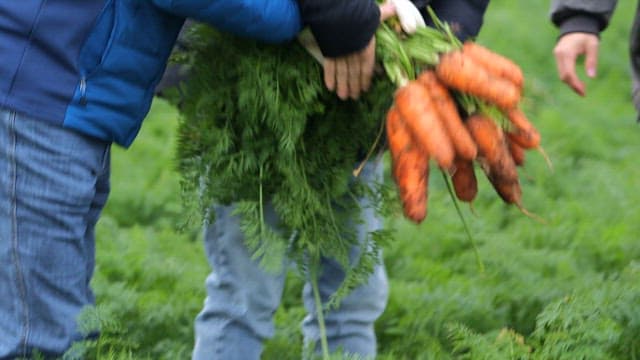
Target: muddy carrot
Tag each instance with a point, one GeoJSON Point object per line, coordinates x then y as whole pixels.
{"type": "Point", "coordinates": [464, 181]}
{"type": "Point", "coordinates": [495, 159]}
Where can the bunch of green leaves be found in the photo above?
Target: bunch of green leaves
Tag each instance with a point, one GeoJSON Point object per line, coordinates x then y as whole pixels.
{"type": "Point", "coordinates": [258, 129]}
{"type": "Point", "coordinates": [404, 56]}
{"type": "Point", "coordinates": [597, 322]}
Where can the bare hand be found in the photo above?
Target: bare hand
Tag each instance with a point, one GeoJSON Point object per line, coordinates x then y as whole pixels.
{"type": "Point", "coordinates": [568, 49]}
{"type": "Point", "coordinates": [350, 75]}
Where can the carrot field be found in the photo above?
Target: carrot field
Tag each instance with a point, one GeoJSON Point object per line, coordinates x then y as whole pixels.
{"type": "Point", "coordinates": [565, 288]}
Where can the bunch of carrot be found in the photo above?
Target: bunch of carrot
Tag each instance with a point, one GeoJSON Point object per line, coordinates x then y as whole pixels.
{"type": "Point", "coordinates": [448, 114]}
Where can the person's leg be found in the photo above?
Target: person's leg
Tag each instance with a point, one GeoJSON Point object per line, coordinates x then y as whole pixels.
{"type": "Point", "coordinates": [53, 185]}
{"type": "Point", "coordinates": [350, 327]}
{"type": "Point", "coordinates": [241, 296]}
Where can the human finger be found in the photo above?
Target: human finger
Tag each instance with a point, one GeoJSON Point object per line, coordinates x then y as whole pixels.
{"type": "Point", "coordinates": [342, 78]}
{"type": "Point", "coordinates": [566, 54]}
{"type": "Point", "coordinates": [591, 56]}
{"type": "Point", "coordinates": [368, 57]}
{"type": "Point", "coordinates": [353, 76]}
{"type": "Point", "coordinates": [567, 73]}
{"type": "Point", "coordinates": [329, 67]}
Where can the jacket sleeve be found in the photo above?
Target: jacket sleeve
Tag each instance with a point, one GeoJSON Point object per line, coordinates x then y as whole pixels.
{"type": "Point", "coordinates": [464, 16]}
{"type": "Point", "coordinates": [581, 15]}
{"type": "Point", "coordinates": [341, 26]}
{"type": "Point", "coordinates": [266, 20]}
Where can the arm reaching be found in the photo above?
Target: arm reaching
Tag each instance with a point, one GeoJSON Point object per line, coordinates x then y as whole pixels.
{"type": "Point", "coordinates": [580, 23]}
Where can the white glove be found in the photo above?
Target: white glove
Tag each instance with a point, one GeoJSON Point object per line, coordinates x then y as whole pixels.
{"type": "Point", "coordinates": [409, 16]}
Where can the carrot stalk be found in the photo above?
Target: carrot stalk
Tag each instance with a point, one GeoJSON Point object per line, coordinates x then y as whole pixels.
{"type": "Point", "coordinates": [464, 225]}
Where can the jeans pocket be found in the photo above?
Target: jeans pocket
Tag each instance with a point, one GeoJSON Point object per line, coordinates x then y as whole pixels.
{"type": "Point", "coordinates": [57, 173]}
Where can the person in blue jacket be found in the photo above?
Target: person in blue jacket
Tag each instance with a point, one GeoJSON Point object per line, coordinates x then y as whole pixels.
{"type": "Point", "coordinates": [76, 77]}
{"type": "Point", "coordinates": [237, 317]}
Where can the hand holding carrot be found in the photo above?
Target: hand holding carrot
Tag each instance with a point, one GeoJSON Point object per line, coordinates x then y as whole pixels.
{"type": "Point", "coordinates": [567, 51]}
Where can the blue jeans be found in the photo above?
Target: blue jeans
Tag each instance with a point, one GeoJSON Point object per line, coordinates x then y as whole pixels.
{"type": "Point", "coordinates": [242, 297]}
{"type": "Point", "coordinates": [53, 185]}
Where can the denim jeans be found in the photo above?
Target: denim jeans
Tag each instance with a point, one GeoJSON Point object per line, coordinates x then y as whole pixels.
{"type": "Point", "coordinates": [242, 297]}
{"type": "Point", "coordinates": [53, 185]}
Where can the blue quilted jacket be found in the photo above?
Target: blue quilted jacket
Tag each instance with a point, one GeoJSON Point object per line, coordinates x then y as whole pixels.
{"type": "Point", "coordinates": [92, 65]}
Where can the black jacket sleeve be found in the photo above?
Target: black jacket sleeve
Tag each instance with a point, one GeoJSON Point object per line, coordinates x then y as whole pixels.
{"type": "Point", "coordinates": [464, 16]}
{"type": "Point", "coordinates": [340, 26]}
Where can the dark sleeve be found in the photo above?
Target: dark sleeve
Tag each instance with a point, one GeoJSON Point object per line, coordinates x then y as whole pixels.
{"type": "Point", "coordinates": [590, 16]}
{"type": "Point", "coordinates": [464, 16]}
{"type": "Point", "coordinates": [580, 22]}
{"type": "Point", "coordinates": [340, 26]}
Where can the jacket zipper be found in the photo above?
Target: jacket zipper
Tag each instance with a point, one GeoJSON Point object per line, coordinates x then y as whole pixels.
{"type": "Point", "coordinates": [83, 90]}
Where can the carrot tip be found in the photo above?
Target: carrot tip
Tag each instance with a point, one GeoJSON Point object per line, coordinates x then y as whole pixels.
{"type": "Point", "coordinates": [546, 158]}
{"type": "Point", "coordinates": [531, 215]}
{"type": "Point", "coordinates": [472, 209]}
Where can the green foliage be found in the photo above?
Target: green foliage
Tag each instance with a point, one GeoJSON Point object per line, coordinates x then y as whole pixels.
{"type": "Point", "coordinates": [258, 127]}
{"type": "Point", "coordinates": [507, 344]}
{"type": "Point", "coordinates": [600, 321]}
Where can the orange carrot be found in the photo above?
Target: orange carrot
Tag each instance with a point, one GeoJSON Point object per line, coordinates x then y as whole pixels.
{"type": "Point", "coordinates": [517, 152]}
{"type": "Point", "coordinates": [446, 107]}
{"type": "Point", "coordinates": [495, 158]}
{"type": "Point", "coordinates": [460, 72]}
{"type": "Point", "coordinates": [416, 108]}
{"type": "Point", "coordinates": [410, 167]}
{"type": "Point", "coordinates": [523, 133]}
{"type": "Point", "coordinates": [488, 136]}
{"type": "Point", "coordinates": [496, 64]}
{"type": "Point", "coordinates": [508, 188]}
{"type": "Point", "coordinates": [464, 181]}
{"type": "Point", "coordinates": [412, 177]}
{"type": "Point", "coordinates": [398, 136]}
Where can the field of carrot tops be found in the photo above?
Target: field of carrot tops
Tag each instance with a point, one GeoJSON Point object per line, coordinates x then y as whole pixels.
{"type": "Point", "coordinates": [565, 288]}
